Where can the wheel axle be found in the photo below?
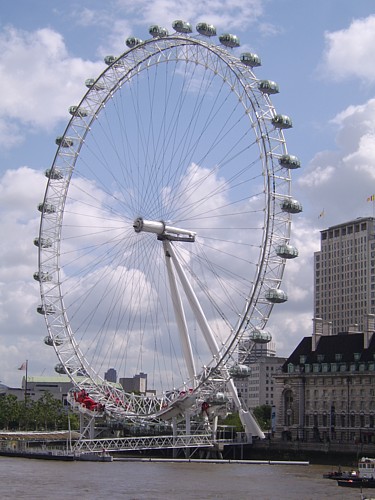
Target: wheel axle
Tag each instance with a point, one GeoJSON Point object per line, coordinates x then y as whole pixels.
{"type": "Point", "coordinates": [163, 231]}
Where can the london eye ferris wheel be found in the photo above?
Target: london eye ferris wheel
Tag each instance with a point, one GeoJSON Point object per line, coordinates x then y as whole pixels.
{"type": "Point", "coordinates": [165, 225]}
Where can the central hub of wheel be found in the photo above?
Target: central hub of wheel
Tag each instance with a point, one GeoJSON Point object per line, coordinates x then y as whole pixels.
{"type": "Point", "coordinates": [162, 230]}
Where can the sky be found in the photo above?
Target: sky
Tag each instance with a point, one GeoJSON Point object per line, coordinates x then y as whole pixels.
{"type": "Point", "coordinates": [321, 55]}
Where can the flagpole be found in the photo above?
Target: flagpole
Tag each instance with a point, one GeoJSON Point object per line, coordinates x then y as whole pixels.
{"type": "Point", "coordinates": [26, 383]}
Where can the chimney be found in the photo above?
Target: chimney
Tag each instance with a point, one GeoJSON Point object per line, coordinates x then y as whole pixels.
{"type": "Point", "coordinates": [327, 328]}
{"type": "Point", "coordinates": [353, 328]}
{"type": "Point", "coordinates": [317, 333]}
{"type": "Point", "coordinates": [369, 330]}
{"type": "Point", "coordinates": [320, 328]}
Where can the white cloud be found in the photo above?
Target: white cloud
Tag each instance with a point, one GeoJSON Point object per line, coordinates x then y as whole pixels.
{"type": "Point", "coordinates": [21, 328]}
{"type": "Point", "coordinates": [340, 181]}
{"type": "Point", "coordinates": [40, 80]}
{"type": "Point", "coordinates": [225, 14]}
{"type": "Point", "coordinates": [350, 52]}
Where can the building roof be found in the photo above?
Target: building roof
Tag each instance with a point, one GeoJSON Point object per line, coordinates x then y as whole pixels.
{"type": "Point", "coordinates": [58, 379]}
{"type": "Point", "coordinates": [346, 344]}
{"type": "Point", "coordinates": [344, 224]}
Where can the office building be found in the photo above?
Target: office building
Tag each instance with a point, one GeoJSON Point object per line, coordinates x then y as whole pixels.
{"type": "Point", "coordinates": [258, 388]}
{"type": "Point", "coordinates": [344, 275]}
{"type": "Point", "coordinates": [138, 383]}
{"type": "Point", "coordinates": [111, 375]}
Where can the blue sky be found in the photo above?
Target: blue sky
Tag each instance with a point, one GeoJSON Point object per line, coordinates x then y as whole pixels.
{"type": "Point", "coordinates": [320, 53]}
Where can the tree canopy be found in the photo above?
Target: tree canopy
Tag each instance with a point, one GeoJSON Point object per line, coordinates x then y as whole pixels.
{"type": "Point", "coordinates": [47, 413]}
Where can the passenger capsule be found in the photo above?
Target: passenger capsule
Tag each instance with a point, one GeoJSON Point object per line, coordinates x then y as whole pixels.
{"type": "Point", "coordinates": [286, 251]}
{"type": "Point", "coordinates": [157, 31]}
{"type": "Point", "coordinates": [43, 242]}
{"type": "Point", "coordinates": [289, 161]}
{"type": "Point", "coordinates": [249, 59]}
{"type": "Point", "coordinates": [110, 60]}
{"type": "Point", "coordinates": [64, 142]}
{"type": "Point", "coordinates": [132, 41]}
{"type": "Point", "coordinates": [46, 309]}
{"type": "Point", "coordinates": [91, 83]}
{"type": "Point", "coordinates": [276, 295]}
{"type": "Point", "coordinates": [291, 206]}
{"type": "Point", "coordinates": [282, 121]}
{"type": "Point", "coordinates": [268, 87]}
{"type": "Point", "coordinates": [42, 277]}
{"type": "Point", "coordinates": [240, 371]}
{"type": "Point", "coordinates": [229, 40]}
{"type": "Point", "coordinates": [53, 173]}
{"type": "Point", "coordinates": [77, 111]}
{"type": "Point", "coordinates": [46, 208]}
{"type": "Point", "coordinates": [219, 398]}
{"type": "Point", "coordinates": [259, 336]}
{"type": "Point", "coordinates": [206, 29]}
{"type": "Point", "coordinates": [181, 26]}
{"type": "Point", "coordinates": [59, 368]}
{"type": "Point", "coordinates": [50, 341]}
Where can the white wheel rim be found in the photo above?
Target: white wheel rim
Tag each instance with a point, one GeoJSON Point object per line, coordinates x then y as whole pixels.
{"type": "Point", "coordinates": [175, 131]}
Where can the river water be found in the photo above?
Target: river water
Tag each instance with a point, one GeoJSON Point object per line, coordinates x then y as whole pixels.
{"type": "Point", "coordinates": [30, 479]}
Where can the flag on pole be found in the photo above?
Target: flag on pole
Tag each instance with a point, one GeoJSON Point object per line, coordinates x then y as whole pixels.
{"type": "Point", "coordinates": [321, 214]}
{"type": "Point", "coordinates": [23, 366]}
{"type": "Point", "coordinates": [371, 198]}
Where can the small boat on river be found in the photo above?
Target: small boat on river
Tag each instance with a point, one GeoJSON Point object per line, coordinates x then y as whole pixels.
{"type": "Point", "coordinates": [365, 477]}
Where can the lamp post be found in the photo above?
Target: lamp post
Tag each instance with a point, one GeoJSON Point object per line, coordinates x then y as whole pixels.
{"type": "Point", "coordinates": [348, 381]}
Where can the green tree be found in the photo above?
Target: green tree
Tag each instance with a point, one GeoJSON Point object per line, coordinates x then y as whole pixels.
{"type": "Point", "coordinates": [47, 413]}
{"type": "Point", "coordinates": [9, 412]}
{"type": "Point", "coordinates": [263, 415]}
{"type": "Point", "coordinates": [233, 419]}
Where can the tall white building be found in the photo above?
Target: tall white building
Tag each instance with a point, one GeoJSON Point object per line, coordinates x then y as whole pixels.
{"type": "Point", "coordinates": [344, 275]}
{"type": "Point", "coordinates": [258, 388]}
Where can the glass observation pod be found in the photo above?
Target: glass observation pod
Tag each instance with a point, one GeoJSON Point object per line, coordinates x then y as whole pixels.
{"type": "Point", "coordinates": [291, 206]}
{"type": "Point", "coordinates": [229, 40]}
{"type": "Point", "coordinates": [157, 31]}
{"type": "Point", "coordinates": [282, 121]}
{"type": "Point", "coordinates": [206, 29]}
{"type": "Point", "coordinates": [181, 26]}
{"type": "Point", "coordinates": [48, 309]}
{"type": "Point", "coordinates": [133, 41]}
{"type": "Point", "coordinates": [290, 161]}
{"type": "Point", "coordinates": [77, 111]}
{"type": "Point", "coordinates": [111, 60]}
{"type": "Point", "coordinates": [240, 371]}
{"type": "Point", "coordinates": [64, 142]}
{"type": "Point", "coordinates": [287, 251]}
{"type": "Point", "coordinates": [42, 242]}
{"type": "Point", "coordinates": [268, 87]}
{"type": "Point", "coordinates": [42, 277]}
{"type": "Point", "coordinates": [218, 399]}
{"type": "Point", "coordinates": [59, 368]}
{"type": "Point", "coordinates": [53, 173]}
{"type": "Point", "coordinates": [49, 341]}
{"type": "Point", "coordinates": [259, 336]}
{"type": "Point", "coordinates": [276, 296]}
{"type": "Point", "coordinates": [249, 59]}
{"type": "Point", "coordinates": [46, 208]}
{"type": "Point", "coordinates": [91, 83]}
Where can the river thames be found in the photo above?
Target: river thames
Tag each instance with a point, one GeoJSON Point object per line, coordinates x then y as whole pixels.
{"type": "Point", "coordinates": [39, 479]}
